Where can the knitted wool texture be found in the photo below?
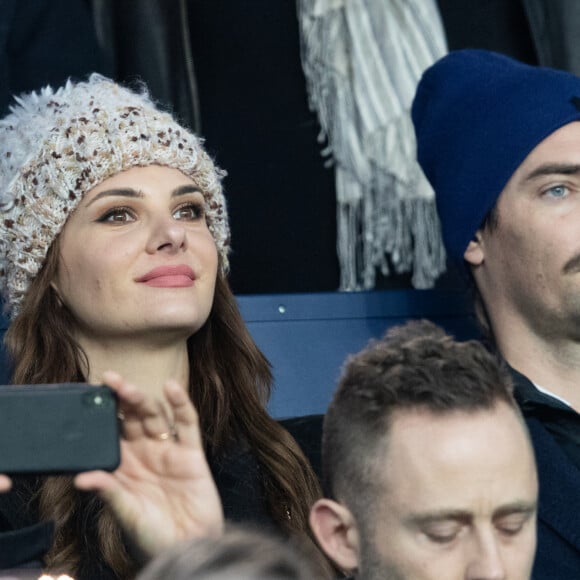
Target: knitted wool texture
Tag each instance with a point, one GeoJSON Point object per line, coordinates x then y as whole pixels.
{"type": "Point", "coordinates": [57, 145]}
{"type": "Point", "coordinates": [477, 116]}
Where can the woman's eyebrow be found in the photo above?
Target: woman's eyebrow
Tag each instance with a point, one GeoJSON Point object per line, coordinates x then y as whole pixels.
{"type": "Point", "coordinates": [130, 192]}
{"type": "Point", "coordinates": [185, 189]}
{"type": "Point", "coordinates": [118, 192]}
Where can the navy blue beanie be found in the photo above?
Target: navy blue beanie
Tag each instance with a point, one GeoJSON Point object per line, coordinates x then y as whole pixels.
{"type": "Point", "coordinates": [477, 116]}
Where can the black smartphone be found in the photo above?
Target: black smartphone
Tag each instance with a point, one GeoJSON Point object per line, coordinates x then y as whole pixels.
{"type": "Point", "coordinates": [61, 428]}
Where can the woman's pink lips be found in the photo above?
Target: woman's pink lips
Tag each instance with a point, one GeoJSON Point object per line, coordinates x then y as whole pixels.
{"type": "Point", "coordinates": [168, 277]}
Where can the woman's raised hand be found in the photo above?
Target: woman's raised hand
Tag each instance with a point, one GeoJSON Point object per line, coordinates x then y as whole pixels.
{"type": "Point", "coordinates": [163, 491]}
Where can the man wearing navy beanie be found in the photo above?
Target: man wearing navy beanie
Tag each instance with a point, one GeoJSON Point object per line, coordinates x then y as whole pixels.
{"type": "Point", "coordinates": [500, 143]}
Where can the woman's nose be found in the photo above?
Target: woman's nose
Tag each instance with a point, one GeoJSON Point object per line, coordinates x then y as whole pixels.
{"type": "Point", "coordinates": [168, 235]}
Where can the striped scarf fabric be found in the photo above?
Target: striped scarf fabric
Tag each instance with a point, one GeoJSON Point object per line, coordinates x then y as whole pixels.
{"type": "Point", "coordinates": [362, 60]}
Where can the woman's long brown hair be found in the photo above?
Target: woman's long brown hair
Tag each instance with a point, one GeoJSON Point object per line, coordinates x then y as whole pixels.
{"type": "Point", "coordinates": [229, 384]}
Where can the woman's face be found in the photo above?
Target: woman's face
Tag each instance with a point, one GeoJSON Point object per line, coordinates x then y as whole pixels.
{"type": "Point", "coordinates": [137, 258]}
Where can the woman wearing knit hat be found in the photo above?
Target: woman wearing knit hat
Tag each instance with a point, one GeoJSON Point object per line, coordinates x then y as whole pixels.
{"type": "Point", "coordinates": [114, 247]}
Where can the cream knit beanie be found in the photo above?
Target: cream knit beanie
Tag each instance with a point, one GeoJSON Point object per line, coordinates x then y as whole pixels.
{"type": "Point", "coordinates": [57, 145]}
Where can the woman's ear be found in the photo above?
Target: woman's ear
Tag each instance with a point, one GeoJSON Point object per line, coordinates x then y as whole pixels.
{"type": "Point", "coordinates": [474, 254]}
{"type": "Point", "coordinates": [335, 529]}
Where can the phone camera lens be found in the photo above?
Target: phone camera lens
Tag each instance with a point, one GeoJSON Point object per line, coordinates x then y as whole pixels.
{"type": "Point", "coordinates": [98, 401]}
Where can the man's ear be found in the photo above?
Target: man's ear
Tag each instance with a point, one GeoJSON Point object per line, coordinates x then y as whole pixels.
{"type": "Point", "coordinates": [335, 529]}
{"type": "Point", "coordinates": [474, 253]}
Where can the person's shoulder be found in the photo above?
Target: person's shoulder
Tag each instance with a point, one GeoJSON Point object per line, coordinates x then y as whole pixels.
{"type": "Point", "coordinates": [519, 379]}
{"type": "Point", "coordinates": [303, 425]}
{"type": "Point", "coordinates": [25, 547]}
{"type": "Point", "coordinates": [307, 431]}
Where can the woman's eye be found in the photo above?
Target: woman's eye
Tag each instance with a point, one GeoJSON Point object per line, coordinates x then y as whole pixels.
{"type": "Point", "coordinates": [117, 215]}
{"type": "Point", "coordinates": [557, 191]}
{"type": "Point", "coordinates": [189, 211]}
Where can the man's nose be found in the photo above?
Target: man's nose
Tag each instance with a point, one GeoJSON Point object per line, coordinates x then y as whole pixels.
{"type": "Point", "coordinates": [486, 562]}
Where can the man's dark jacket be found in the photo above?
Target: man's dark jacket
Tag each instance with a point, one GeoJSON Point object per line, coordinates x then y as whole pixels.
{"type": "Point", "coordinates": [558, 554]}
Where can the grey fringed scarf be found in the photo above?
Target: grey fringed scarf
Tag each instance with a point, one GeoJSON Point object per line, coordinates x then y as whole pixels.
{"type": "Point", "coordinates": [362, 60]}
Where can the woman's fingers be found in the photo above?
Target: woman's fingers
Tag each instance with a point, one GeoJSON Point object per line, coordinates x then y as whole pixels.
{"type": "Point", "coordinates": [142, 416]}
{"type": "Point", "coordinates": [111, 490]}
{"type": "Point", "coordinates": [100, 481]}
{"type": "Point", "coordinates": [145, 416]}
{"type": "Point", "coordinates": [185, 418]}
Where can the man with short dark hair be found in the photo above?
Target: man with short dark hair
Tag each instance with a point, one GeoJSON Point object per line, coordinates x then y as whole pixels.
{"type": "Point", "coordinates": [428, 464]}
{"type": "Point", "coordinates": [500, 143]}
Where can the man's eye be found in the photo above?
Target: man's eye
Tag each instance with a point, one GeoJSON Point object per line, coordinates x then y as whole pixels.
{"type": "Point", "coordinates": [117, 215]}
{"type": "Point", "coordinates": [188, 211]}
{"type": "Point", "coordinates": [441, 539]}
{"type": "Point", "coordinates": [512, 525]}
{"type": "Point", "coordinates": [557, 191]}
{"type": "Point", "coordinates": [442, 534]}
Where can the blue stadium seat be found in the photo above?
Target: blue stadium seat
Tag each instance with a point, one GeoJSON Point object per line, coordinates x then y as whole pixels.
{"type": "Point", "coordinates": [306, 337]}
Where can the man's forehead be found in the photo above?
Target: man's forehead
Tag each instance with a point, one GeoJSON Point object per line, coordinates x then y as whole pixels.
{"type": "Point", "coordinates": [406, 422]}
{"type": "Point", "coordinates": [459, 429]}
{"type": "Point", "coordinates": [431, 458]}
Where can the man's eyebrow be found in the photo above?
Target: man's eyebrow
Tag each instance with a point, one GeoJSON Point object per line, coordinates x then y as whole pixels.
{"type": "Point", "coordinates": [552, 169]}
{"type": "Point", "coordinates": [130, 192]}
{"type": "Point", "coordinates": [518, 507]}
{"type": "Point", "coordinates": [421, 519]}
